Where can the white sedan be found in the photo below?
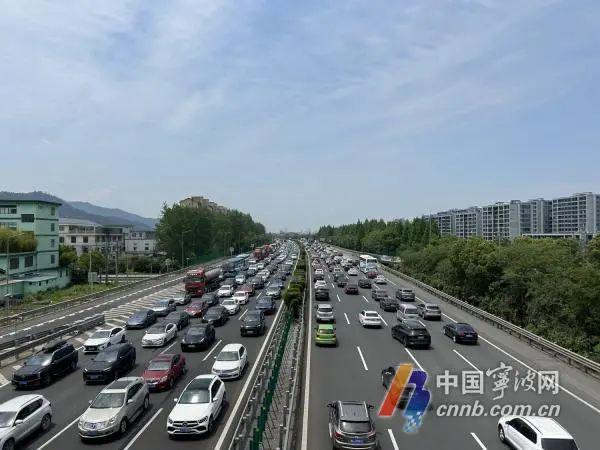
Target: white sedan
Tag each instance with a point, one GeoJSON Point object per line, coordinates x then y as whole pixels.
{"type": "Point", "coordinates": [241, 297]}
{"type": "Point", "coordinates": [320, 283]}
{"type": "Point", "coordinates": [231, 361]}
{"type": "Point", "coordinates": [231, 305]}
{"type": "Point", "coordinates": [101, 339]}
{"type": "Point", "coordinates": [369, 319]}
{"type": "Point", "coordinates": [159, 334]}
{"type": "Point", "coordinates": [225, 291]}
{"type": "Point", "coordinates": [380, 279]}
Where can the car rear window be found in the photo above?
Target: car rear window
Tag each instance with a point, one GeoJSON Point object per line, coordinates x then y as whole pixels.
{"type": "Point", "coordinates": [355, 427]}
{"type": "Point", "coordinates": [559, 444]}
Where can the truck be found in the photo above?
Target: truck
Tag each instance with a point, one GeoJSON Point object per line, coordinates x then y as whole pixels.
{"type": "Point", "coordinates": [199, 281]}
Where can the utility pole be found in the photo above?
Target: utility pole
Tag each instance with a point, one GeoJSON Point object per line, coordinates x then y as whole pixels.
{"type": "Point", "coordinates": [90, 273]}
{"type": "Point", "coordinates": [182, 233]}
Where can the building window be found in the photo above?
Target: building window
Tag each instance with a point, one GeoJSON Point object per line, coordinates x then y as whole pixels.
{"type": "Point", "coordinates": [52, 211]}
{"type": "Point", "coordinates": [8, 209]}
{"type": "Point", "coordinates": [52, 226]}
{"type": "Point", "coordinates": [10, 225]}
{"type": "Point", "coordinates": [85, 239]}
{"type": "Point", "coordinates": [14, 263]}
{"type": "Point", "coordinates": [27, 218]}
{"type": "Point", "coordinates": [52, 259]}
{"type": "Point", "coordinates": [29, 261]}
{"type": "Point", "coordinates": [61, 239]}
{"type": "Point", "coordinates": [73, 239]}
{"type": "Point", "coordinates": [52, 243]}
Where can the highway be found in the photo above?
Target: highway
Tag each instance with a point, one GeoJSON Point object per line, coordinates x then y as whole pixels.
{"type": "Point", "coordinates": [352, 371]}
{"type": "Point", "coordinates": [70, 396]}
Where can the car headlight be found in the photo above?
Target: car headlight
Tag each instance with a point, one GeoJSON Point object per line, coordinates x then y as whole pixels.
{"type": "Point", "coordinates": [170, 421]}
{"type": "Point", "coordinates": [108, 369]}
{"type": "Point", "coordinates": [164, 379]}
{"type": "Point", "coordinates": [111, 421]}
{"type": "Point", "coordinates": [204, 419]}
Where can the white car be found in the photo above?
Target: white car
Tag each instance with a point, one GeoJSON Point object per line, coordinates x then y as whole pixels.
{"type": "Point", "coordinates": [369, 319]}
{"type": "Point", "coordinates": [198, 406]}
{"type": "Point", "coordinates": [180, 298]}
{"type": "Point", "coordinates": [231, 361]}
{"type": "Point", "coordinates": [240, 279]}
{"type": "Point", "coordinates": [353, 272]}
{"type": "Point", "coordinates": [241, 297]}
{"type": "Point", "coordinates": [101, 339]}
{"type": "Point", "coordinates": [320, 283]}
{"type": "Point", "coordinates": [380, 279]}
{"type": "Point", "coordinates": [159, 334]}
{"type": "Point", "coordinates": [225, 291]}
{"type": "Point", "coordinates": [17, 421]}
{"type": "Point", "coordinates": [534, 433]}
{"type": "Point", "coordinates": [231, 305]}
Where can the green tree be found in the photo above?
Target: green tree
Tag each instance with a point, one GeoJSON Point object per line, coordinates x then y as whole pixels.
{"type": "Point", "coordinates": [67, 256]}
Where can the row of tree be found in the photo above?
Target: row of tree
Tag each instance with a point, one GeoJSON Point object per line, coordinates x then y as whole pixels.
{"type": "Point", "coordinates": [17, 241]}
{"type": "Point", "coordinates": [189, 233]}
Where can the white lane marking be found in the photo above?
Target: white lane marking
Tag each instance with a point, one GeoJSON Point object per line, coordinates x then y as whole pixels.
{"type": "Point", "coordinates": [338, 297]}
{"type": "Point", "coordinates": [422, 324]}
{"type": "Point", "coordinates": [332, 286]}
{"type": "Point", "coordinates": [79, 348]}
{"type": "Point", "coordinates": [362, 358]}
{"type": "Point", "coordinates": [45, 444]}
{"type": "Point", "coordinates": [393, 439]}
{"type": "Point", "coordinates": [483, 447]}
{"type": "Point", "coordinates": [448, 317]}
{"type": "Point", "coordinates": [212, 349]}
{"type": "Point", "coordinates": [172, 344]}
{"type": "Point", "coordinates": [466, 360]}
{"type": "Point", "coordinates": [3, 381]}
{"type": "Point", "coordinates": [243, 314]}
{"type": "Point", "coordinates": [258, 296]}
{"type": "Point", "coordinates": [139, 433]}
{"type": "Point", "coordinates": [395, 284]}
{"type": "Point", "coordinates": [17, 367]}
{"type": "Point", "coordinates": [414, 359]}
{"type": "Point", "coordinates": [383, 320]}
{"type": "Point", "coordinates": [347, 320]}
{"type": "Point", "coordinates": [366, 299]}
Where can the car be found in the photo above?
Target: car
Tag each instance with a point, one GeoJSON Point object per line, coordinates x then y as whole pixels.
{"type": "Point", "coordinates": [197, 308]}
{"type": "Point", "coordinates": [199, 336]}
{"type": "Point", "coordinates": [406, 311]}
{"type": "Point", "coordinates": [341, 281]}
{"type": "Point", "coordinates": [379, 294]}
{"type": "Point", "coordinates": [141, 319]}
{"type": "Point", "coordinates": [180, 318]}
{"type": "Point", "coordinates": [273, 291]}
{"type": "Point", "coordinates": [351, 426]}
{"type": "Point", "coordinates": [277, 283]}
{"type": "Point", "coordinates": [210, 298]}
{"type": "Point", "coordinates": [324, 313]}
{"type": "Point", "coordinates": [380, 279]}
{"type": "Point", "coordinates": [282, 276]}
{"type": "Point", "coordinates": [371, 274]}
{"type": "Point", "coordinates": [163, 371]}
{"type": "Point", "coordinates": [353, 272]}
{"type": "Point", "coordinates": [253, 323]}
{"type": "Point", "coordinates": [387, 376]}
{"type": "Point", "coordinates": [411, 333]}
{"type": "Point", "coordinates": [351, 288]}
{"type": "Point", "coordinates": [216, 315]}
{"type": "Point", "coordinates": [264, 275]}
{"type": "Point", "coordinates": [103, 338]}
{"type": "Point", "coordinates": [240, 279]}
{"type": "Point", "coordinates": [54, 360]}
{"type": "Point", "coordinates": [429, 311]}
{"type": "Point", "coordinates": [159, 334]}
{"type": "Point", "coordinates": [364, 283]}
{"type": "Point", "coordinates": [322, 293]}
{"type": "Point", "coordinates": [388, 304]}
{"type": "Point", "coordinates": [248, 289]}
{"type": "Point", "coordinates": [110, 363]}
{"type": "Point", "coordinates": [225, 291]}
{"type": "Point", "coordinates": [266, 304]}
{"type": "Point", "coordinates": [197, 408]}
{"type": "Point", "coordinates": [22, 416]}
{"type": "Point", "coordinates": [163, 307]}
{"type": "Point", "coordinates": [325, 335]}
{"type": "Point", "coordinates": [230, 362]}
{"type": "Point", "coordinates": [405, 295]}
{"type": "Point", "coordinates": [257, 282]}
{"type": "Point", "coordinates": [114, 409]}
{"type": "Point", "coordinates": [369, 319]}
{"type": "Point", "coordinates": [320, 284]}
{"type": "Point", "coordinates": [460, 333]}
{"type": "Point", "coordinates": [231, 305]}
{"type": "Point", "coordinates": [240, 297]}
{"type": "Point", "coordinates": [534, 433]}
{"type": "Point", "coordinates": [181, 298]}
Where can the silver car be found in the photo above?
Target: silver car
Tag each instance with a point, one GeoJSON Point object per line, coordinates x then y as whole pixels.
{"type": "Point", "coordinates": [324, 313]}
{"type": "Point", "coordinates": [21, 416]}
{"type": "Point", "coordinates": [429, 311]}
{"type": "Point", "coordinates": [114, 408]}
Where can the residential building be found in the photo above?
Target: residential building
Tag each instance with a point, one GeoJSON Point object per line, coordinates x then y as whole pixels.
{"type": "Point", "coordinates": [444, 221]}
{"type": "Point", "coordinates": [39, 269]}
{"type": "Point", "coordinates": [541, 216]}
{"type": "Point", "coordinates": [467, 222]}
{"type": "Point", "coordinates": [140, 241]}
{"type": "Point", "coordinates": [576, 214]}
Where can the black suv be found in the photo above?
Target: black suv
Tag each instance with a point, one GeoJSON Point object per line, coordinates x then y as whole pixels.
{"type": "Point", "coordinates": [216, 315]}
{"type": "Point", "coordinates": [379, 294]}
{"type": "Point", "coordinates": [405, 295]}
{"type": "Point", "coordinates": [253, 323]}
{"type": "Point", "coordinates": [110, 363]}
{"type": "Point", "coordinates": [199, 336]}
{"type": "Point", "coordinates": [210, 298]}
{"type": "Point", "coordinates": [257, 282]}
{"type": "Point", "coordinates": [54, 359]}
{"type": "Point", "coordinates": [322, 293]}
{"type": "Point", "coordinates": [266, 304]}
{"type": "Point", "coordinates": [141, 319]}
{"type": "Point", "coordinates": [351, 425]}
{"type": "Point", "coordinates": [411, 333]}
{"type": "Point", "coordinates": [179, 318]}
{"type": "Point", "coordinates": [388, 304]}
{"type": "Point", "coordinates": [364, 283]}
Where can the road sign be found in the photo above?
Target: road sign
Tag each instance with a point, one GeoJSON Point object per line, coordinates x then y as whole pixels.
{"type": "Point", "coordinates": [92, 277]}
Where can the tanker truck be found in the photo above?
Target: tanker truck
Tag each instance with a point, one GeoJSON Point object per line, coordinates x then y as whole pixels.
{"type": "Point", "coordinates": [199, 281]}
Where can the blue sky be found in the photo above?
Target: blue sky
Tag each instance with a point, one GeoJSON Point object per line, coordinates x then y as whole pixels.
{"type": "Point", "coordinates": [300, 113]}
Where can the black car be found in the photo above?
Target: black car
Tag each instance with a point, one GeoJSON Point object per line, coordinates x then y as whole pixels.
{"type": "Point", "coordinates": [257, 282]}
{"type": "Point", "coordinates": [351, 425]}
{"type": "Point", "coordinates": [322, 293]}
{"type": "Point", "coordinates": [387, 376]}
{"type": "Point", "coordinates": [210, 298]}
{"type": "Point", "coordinates": [364, 283]}
{"type": "Point", "coordinates": [461, 332]}
{"type": "Point", "coordinates": [253, 323]}
{"type": "Point", "coordinates": [411, 333]}
{"type": "Point", "coordinates": [216, 315]}
{"type": "Point", "coordinates": [341, 281]}
{"type": "Point", "coordinates": [110, 363]}
{"type": "Point", "coordinates": [52, 361]}
{"type": "Point", "coordinates": [388, 304]}
{"type": "Point", "coordinates": [141, 319]}
{"type": "Point", "coordinates": [198, 337]}
{"type": "Point", "coordinates": [282, 276]}
{"type": "Point", "coordinates": [266, 304]}
{"type": "Point", "coordinates": [379, 294]}
{"type": "Point", "coordinates": [179, 318]}
{"type": "Point", "coordinates": [351, 288]}
{"type": "Point", "coordinates": [405, 295]}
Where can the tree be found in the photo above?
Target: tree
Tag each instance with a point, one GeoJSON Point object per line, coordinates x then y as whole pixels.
{"type": "Point", "coordinates": [67, 256]}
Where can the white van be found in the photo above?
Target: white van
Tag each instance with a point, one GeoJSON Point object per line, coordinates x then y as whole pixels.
{"type": "Point", "coordinates": [407, 311]}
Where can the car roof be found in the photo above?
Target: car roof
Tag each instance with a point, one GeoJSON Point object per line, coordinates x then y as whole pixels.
{"type": "Point", "coordinates": [547, 426]}
{"type": "Point", "coordinates": [163, 357]}
{"type": "Point", "coordinates": [324, 305]}
{"type": "Point", "coordinates": [412, 323]}
{"type": "Point", "coordinates": [353, 411]}
{"type": "Point", "coordinates": [325, 326]}
{"type": "Point", "coordinates": [231, 347]}
{"type": "Point", "coordinates": [121, 384]}
{"type": "Point", "coordinates": [17, 402]}
{"type": "Point", "coordinates": [201, 382]}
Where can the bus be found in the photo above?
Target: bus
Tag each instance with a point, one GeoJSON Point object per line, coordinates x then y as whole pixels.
{"type": "Point", "coordinates": [366, 263]}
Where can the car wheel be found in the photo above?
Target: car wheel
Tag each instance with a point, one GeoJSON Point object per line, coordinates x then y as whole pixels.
{"type": "Point", "coordinates": [171, 383]}
{"type": "Point", "coordinates": [73, 365]}
{"type": "Point", "coordinates": [123, 426]}
{"type": "Point", "coordinates": [501, 435]}
{"type": "Point", "coordinates": [210, 425]}
{"type": "Point", "coordinates": [46, 380]}
{"type": "Point", "coordinates": [122, 339]}
{"type": "Point", "coordinates": [46, 421]}
{"type": "Point", "coordinates": [146, 402]}
{"type": "Point", "coordinates": [9, 445]}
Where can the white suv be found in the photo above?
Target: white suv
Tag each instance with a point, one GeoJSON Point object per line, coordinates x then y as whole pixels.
{"type": "Point", "coordinates": [101, 339]}
{"type": "Point", "coordinates": [197, 407]}
{"type": "Point", "coordinates": [225, 291]}
{"type": "Point", "coordinates": [534, 433]}
{"type": "Point", "coordinates": [21, 416]}
{"type": "Point", "coordinates": [231, 361]}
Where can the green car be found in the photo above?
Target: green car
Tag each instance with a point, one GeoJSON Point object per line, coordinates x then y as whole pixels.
{"type": "Point", "coordinates": [325, 334]}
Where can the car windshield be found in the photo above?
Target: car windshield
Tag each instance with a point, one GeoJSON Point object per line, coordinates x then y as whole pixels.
{"type": "Point", "coordinates": [6, 418]}
{"type": "Point", "coordinates": [197, 331]}
{"type": "Point", "coordinates": [162, 303]}
{"type": "Point", "coordinates": [355, 427]}
{"type": "Point", "coordinates": [156, 330]}
{"type": "Point", "coordinates": [106, 357]}
{"type": "Point", "coordinates": [39, 360]}
{"type": "Point", "coordinates": [410, 311]}
{"type": "Point", "coordinates": [196, 305]}
{"type": "Point", "coordinates": [371, 314]}
{"type": "Point", "coordinates": [325, 331]}
{"type": "Point", "coordinates": [108, 400]}
{"type": "Point", "coordinates": [194, 396]}
{"type": "Point", "coordinates": [225, 286]}
{"type": "Point", "coordinates": [433, 307]}
{"type": "Point", "coordinates": [325, 308]}
{"type": "Point", "coordinates": [252, 317]}
{"type": "Point", "coordinates": [228, 302]}
{"type": "Point", "coordinates": [101, 334]}
{"type": "Point", "coordinates": [159, 366]}
{"type": "Point", "coordinates": [263, 301]}
{"type": "Point", "coordinates": [467, 328]}
{"type": "Point", "coordinates": [559, 444]}
{"type": "Point", "coordinates": [228, 356]}
{"type": "Point", "coordinates": [139, 315]}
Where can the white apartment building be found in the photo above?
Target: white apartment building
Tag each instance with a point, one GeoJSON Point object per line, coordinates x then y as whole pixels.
{"type": "Point", "coordinates": [467, 222]}
{"type": "Point", "coordinates": [576, 214]}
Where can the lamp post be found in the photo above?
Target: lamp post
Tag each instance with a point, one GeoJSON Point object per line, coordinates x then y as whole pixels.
{"type": "Point", "coordinates": [182, 233]}
{"type": "Point", "coordinates": [8, 263]}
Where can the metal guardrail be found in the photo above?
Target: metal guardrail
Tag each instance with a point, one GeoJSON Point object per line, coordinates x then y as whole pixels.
{"type": "Point", "coordinates": [573, 359]}
{"type": "Point", "coordinates": [53, 334]}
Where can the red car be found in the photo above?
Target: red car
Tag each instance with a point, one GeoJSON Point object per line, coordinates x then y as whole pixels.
{"type": "Point", "coordinates": [372, 274]}
{"type": "Point", "coordinates": [249, 288]}
{"type": "Point", "coordinates": [197, 308]}
{"type": "Point", "coordinates": [163, 370]}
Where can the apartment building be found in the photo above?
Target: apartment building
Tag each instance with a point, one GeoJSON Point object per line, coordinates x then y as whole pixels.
{"type": "Point", "coordinates": [140, 241]}
{"type": "Point", "coordinates": [444, 221]}
{"type": "Point", "coordinates": [575, 214]}
{"type": "Point", "coordinates": [467, 222]}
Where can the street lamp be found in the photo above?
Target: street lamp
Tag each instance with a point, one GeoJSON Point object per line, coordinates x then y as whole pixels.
{"type": "Point", "coordinates": [7, 258]}
{"type": "Point", "coordinates": [182, 233]}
